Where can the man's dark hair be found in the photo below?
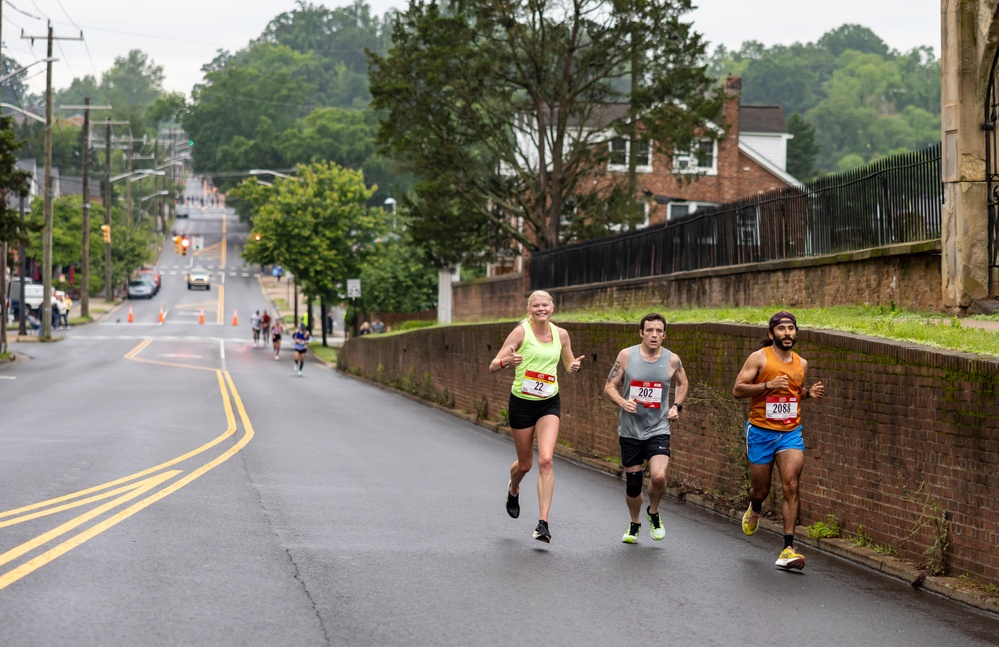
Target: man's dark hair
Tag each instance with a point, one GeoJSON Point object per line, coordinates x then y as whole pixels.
{"type": "Point", "coordinates": [774, 321]}
{"type": "Point", "coordinates": [652, 316]}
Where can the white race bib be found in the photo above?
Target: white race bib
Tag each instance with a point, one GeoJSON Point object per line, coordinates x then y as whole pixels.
{"type": "Point", "coordinates": [783, 409]}
{"type": "Point", "coordinates": [538, 384]}
{"type": "Point", "coordinates": [648, 394]}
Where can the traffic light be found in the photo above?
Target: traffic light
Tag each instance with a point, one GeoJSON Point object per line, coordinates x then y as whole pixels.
{"type": "Point", "coordinates": [190, 142]}
{"type": "Point", "coordinates": [106, 231]}
{"type": "Point", "coordinates": [185, 242]}
{"type": "Point", "coordinates": [256, 236]}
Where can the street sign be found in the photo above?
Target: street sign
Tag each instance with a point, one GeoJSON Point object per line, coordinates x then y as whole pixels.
{"type": "Point", "coordinates": [353, 288]}
{"type": "Point", "coordinates": [199, 242]}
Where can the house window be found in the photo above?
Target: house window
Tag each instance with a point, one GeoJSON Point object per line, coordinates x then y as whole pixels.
{"type": "Point", "coordinates": [619, 150]}
{"type": "Point", "coordinates": [677, 210]}
{"type": "Point", "coordinates": [702, 158]}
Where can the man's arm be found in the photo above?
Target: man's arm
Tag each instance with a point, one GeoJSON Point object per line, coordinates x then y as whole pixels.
{"type": "Point", "coordinates": [745, 386]}
{"type": "Point", "coordinates": [680, 377]}
{"type": "Point", "coordinates": [612, 388]}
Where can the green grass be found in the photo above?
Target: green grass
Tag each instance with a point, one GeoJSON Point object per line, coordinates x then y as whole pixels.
{"type": "Point", "coordinates": [325, 353]}
{"type": "Point", "coordinates": [926, 328]}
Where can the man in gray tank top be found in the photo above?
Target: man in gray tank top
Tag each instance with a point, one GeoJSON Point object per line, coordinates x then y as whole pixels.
{"type": "Point", "coordinates": [639, 383]}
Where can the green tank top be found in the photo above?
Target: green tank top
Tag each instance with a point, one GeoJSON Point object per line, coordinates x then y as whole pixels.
{"type": "Point", "coordinates": [536, 376]}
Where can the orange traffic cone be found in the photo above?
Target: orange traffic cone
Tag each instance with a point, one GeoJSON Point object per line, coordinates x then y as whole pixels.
{"type": "Point", "coordinates": [201, 318]}
{"type": "Point", "coordinates": [161, 314]}
{"type": "Point", "coordinates": [235, 319]}
{"type": "Point", "coordinates": [131, 317]}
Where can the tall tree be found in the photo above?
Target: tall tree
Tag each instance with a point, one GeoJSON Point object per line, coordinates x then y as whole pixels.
{"type": "Point", "coordinates": [317, 226]}
{"type": "Point", "coordinates": [802, 149]}
{"type": "Point", "coordinates": [510, 105]}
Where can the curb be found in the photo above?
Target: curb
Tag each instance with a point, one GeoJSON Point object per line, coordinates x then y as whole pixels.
{"type": "Point", "coordinates": [949, 587]}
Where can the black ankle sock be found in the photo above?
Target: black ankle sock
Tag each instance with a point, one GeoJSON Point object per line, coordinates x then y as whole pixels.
{"type": "Point", "coordinates": [757, 506]}
{"type": "Point", "coordinates": [788, 541]}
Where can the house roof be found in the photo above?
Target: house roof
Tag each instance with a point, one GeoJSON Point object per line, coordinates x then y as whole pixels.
{"type": "Point", "coordinates": [772, 168]}
{"type": "Point", "coordinates": [762, 119]}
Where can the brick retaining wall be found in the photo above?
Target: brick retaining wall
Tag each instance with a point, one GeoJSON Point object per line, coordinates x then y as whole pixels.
{"type": "Point", "coordinates": [906, 437]}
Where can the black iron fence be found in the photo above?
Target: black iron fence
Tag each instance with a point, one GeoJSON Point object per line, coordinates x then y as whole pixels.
{"type": "Point", "coordinates": [894, 200]}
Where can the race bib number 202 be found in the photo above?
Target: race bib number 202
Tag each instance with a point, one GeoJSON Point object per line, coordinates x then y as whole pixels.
{"type": "Point", "coordinates": [539, 385]}
{"type": "Point", "coordinates": [648, 394]}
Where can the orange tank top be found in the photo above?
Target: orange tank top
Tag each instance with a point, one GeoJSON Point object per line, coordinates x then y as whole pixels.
{"type": "Point", "coordinates": [778, 409]}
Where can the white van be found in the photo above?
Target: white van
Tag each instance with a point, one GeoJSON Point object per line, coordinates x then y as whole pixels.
{"type": "Point", "coordinates": [34, 294]}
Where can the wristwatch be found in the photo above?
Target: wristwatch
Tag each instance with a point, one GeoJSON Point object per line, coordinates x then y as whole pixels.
{"type": "Point", "coordinates": [679, 407]}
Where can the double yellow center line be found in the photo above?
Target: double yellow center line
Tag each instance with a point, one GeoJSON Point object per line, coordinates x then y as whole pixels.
{"type": "Point", "coordinates": [144, 488]}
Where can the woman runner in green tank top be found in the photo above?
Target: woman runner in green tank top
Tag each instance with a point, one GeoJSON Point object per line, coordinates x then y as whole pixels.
{"type": "Point", "coordinates": [533, 349]}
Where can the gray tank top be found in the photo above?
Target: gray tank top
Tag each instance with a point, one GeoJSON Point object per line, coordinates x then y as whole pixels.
{"type": "Point", "coordinates": [649, 382]}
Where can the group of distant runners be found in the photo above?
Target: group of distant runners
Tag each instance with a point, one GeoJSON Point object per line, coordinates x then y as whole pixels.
{"type": "Point", "coordinates": [263, 326]}
{"type": "Point", "coordinates": [639, 384]}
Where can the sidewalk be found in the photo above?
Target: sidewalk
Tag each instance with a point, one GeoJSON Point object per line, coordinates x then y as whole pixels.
{"type": "Point", "coordinates": [100, 309]}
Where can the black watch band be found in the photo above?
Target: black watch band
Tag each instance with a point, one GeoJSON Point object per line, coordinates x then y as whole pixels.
{"type": "Point", "coordinates": [679, 407]}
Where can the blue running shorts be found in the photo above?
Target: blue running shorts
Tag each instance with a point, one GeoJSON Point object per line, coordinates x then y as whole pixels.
{"type": "Point", "coordinates": [763, 444]}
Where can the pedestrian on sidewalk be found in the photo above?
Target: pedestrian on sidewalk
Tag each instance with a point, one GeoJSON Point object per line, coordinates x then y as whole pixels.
{"type": "Point", "coordinates": [645, 371]}
{"type": "Point", "coordinates": [774, 377]}
{"type": "Point", "coordinates": [534, 349]}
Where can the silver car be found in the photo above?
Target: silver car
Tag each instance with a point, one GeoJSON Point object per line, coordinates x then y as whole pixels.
{"type": "Point", "coordinates": [199, 277]}
{"type": "Point", "coordinates": [140, 289]}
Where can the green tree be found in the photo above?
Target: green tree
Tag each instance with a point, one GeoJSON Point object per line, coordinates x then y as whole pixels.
{"type": "Point", "coordinates": [13, 183]}
{"type": "Point", "coordinates": [505, 104]}
{"type": "Point", "coordinates": [802, 149]}
{"type": "Point", "coordinates": [317, 226]}
{"type": "Point", "coordinates": [398, 278]}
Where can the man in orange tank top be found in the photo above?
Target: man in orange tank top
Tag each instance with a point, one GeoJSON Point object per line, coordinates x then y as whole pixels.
{"type": "Point", "coordinates": [774, 377]}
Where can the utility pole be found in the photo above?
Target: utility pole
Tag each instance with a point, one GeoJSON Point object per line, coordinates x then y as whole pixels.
{"type": "Point", "coordinates": [107, 210]}
{"type": "Point", "coordinates": [46, 309]}
{"type": "Point", "coordinates": [85, 252]}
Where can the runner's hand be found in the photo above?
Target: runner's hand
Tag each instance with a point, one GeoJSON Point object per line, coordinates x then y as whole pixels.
{"type": "Point", "coordinates": [779, 382]}
{"type": "Point", "coordinates": [515, 359]}
{"type": "Point", "coordinates": [816, 390]}
{"type": "Point", "coordinates": [574, 367]}
{"type": "Point", "coordinates": [631, 406]}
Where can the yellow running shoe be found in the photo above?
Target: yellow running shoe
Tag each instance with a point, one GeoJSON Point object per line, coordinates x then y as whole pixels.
{"type": "Point", "coordinates": [750, 521]}
{"type": "Point", "coordinates": [631, 537]}
{"type": "Point", "coordinates": [790, 558]}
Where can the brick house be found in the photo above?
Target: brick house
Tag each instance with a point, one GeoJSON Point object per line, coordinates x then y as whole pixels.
{"type": "Point", "coordinates": [749, 157]}
{"type": "Point", "coordinates": [746, 158]}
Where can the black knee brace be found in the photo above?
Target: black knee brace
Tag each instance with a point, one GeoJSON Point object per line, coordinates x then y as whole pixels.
{"type": "Point", "coordinates": [633, 484]}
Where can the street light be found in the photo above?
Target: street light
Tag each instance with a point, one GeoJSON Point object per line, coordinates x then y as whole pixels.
{"type": "Point", "coordinates": [141, 172]}
{"type": "Point", "coordinates": [390, 205]}
{"type": "Point", "coordinates": [153, 195]}
{"type": "Point", "coordinates": [264, 171]}
{"type": "Point", "coordinates": [7, 77]}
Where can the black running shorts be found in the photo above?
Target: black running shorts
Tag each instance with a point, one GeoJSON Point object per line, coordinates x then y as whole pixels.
{"type": "Point", "coordinates": [524, 414]}
{"type": "Point", "coordinates": [635, 452]}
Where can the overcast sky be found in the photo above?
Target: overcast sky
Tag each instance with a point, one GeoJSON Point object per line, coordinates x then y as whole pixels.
{"type": "Point", "coordinates": [183, 35]}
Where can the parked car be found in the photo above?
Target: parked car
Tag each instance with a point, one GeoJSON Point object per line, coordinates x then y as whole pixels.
{"type": "Point", "coordinates": [150, 272]}
{"type": "Point", "coordinates": [199, 277]}
{"type": "Point", "coordinates": [141, 288]}
{"type": "Point", "coordinates": [182, 212]}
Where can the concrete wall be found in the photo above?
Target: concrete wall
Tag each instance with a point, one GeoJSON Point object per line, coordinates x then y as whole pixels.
{"type": "Point", "coordinates": [905, 444]}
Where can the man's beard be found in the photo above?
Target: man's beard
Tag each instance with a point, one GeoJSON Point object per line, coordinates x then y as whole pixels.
{"type": "Point", "coordinates": [794, 340]}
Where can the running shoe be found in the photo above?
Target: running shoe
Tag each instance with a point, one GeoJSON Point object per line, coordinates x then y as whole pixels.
{"type": "Point", "coordinates": [512, 502]}
{"type": "Point", "coordinates": [750, 521]}
{"type": "Point", "coordinates": [541, 533]}
{"type": "Point", "coordinates": [655, 525]}
{"type": "Point", "coordinates": [631, 537]}
{"type": "Point", "coordinates": [790, 558]}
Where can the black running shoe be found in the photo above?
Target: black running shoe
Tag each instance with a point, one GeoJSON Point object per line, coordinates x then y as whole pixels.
{"type": "Point", "coordinates": [541, 532]}
{"type": "Point", "coordinates": [512, 503]}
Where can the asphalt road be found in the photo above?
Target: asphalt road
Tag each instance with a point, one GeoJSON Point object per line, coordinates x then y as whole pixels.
{"type": "Point", "coordinates": [173, 485]}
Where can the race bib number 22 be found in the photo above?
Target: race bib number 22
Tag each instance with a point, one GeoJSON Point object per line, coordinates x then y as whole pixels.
{"type": "Point", "coordinates": [539, 385]}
